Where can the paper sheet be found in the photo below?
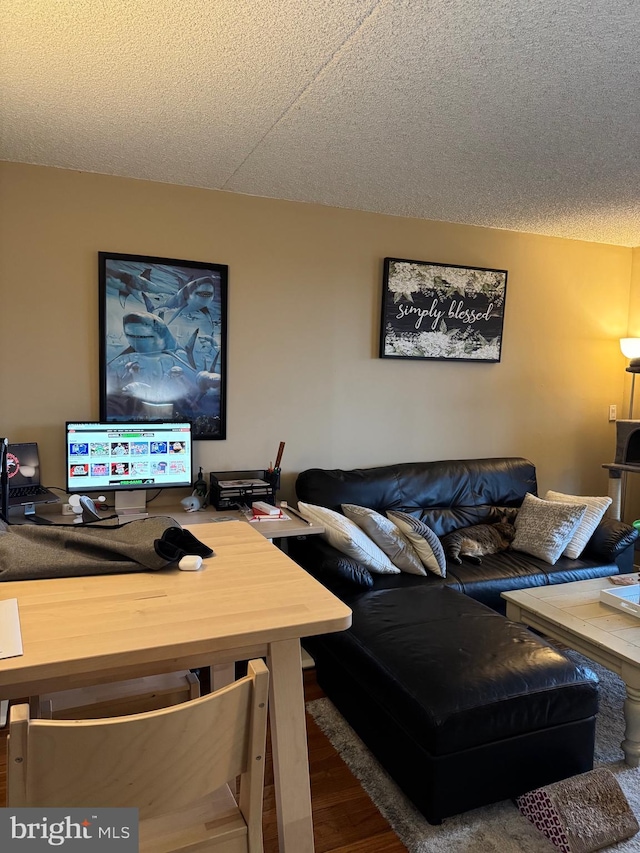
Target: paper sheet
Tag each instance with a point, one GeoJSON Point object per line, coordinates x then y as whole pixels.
{"type": "Point", "coordinates": [10, 635]}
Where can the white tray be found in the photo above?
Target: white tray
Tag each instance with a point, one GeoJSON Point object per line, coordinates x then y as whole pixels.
{"type": "Point", "coordinates": [625, 598]}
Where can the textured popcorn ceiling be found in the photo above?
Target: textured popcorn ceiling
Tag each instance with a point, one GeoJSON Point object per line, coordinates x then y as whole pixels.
{"type": "Point", "coordinates": [507, 113]}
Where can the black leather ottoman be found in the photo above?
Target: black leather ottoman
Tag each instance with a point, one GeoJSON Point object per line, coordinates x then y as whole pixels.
{"type": "Point", "coordinates": [461, 706]}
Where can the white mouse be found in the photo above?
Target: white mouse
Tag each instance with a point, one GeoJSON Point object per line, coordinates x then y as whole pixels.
{"type": "Point", "coordinates": [190, 563]}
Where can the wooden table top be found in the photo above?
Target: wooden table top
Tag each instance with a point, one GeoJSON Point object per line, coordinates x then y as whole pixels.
{"type": "Point", "coordinates": [97, 628]}
{"type": "Point", "coordinates": [294, 525]}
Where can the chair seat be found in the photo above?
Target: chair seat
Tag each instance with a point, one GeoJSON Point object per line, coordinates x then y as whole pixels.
{"type": "Point", "coordinates": [212, 823]}
{"type": "Point", "coordinates": [120, 698]}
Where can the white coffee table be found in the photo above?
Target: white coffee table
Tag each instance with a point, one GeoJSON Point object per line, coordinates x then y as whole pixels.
{"type": "Point", "coordinates": [573, 614]}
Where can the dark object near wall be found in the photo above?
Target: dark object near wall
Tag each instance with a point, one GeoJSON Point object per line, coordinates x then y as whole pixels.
{"type": "Point", "coordinates": [628, 443]}
{"type": "Point", "coordinates": [4, 481]}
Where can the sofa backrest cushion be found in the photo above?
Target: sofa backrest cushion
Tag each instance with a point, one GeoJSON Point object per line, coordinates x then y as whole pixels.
{"type": "Point", "coordinates": [446, 495]}
{"type": "Point", "coordinates": [443, 520]}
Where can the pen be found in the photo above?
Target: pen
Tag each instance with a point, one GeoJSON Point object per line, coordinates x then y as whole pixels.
{"type": "Point", "coordinates": [279, 456]}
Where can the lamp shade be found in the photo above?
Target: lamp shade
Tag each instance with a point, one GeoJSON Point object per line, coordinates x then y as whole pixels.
{"type": "Point", "coordinates": [630, 347]}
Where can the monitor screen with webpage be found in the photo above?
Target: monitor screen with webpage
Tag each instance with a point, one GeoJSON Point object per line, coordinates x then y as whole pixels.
{"type": "Point", "coordinates": [128, 459]}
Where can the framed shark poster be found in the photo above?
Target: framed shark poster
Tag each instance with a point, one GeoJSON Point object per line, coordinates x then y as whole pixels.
{"type": "Point", "coordinates": [163, 341]}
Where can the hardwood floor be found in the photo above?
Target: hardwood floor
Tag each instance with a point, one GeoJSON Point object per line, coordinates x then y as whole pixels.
{"type": "Point", "coordinates": [345, 820]}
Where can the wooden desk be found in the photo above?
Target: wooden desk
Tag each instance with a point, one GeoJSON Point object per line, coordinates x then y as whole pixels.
{"type": "Point", "coordinates": [282, 529]}
{"type": "Point", "coordinates": [249, 600]}
{"type": "Point", "coordinates": [295, 525]}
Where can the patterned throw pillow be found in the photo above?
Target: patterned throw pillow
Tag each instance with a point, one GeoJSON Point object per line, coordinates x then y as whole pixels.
{"type": "Point", "coordinates": [387, 537]}
{"type": "Point", "coordinates": [596, 508]}
{"type": "Point", "coordinates": [345, 536]}
{"type": "Point", "coordinates": [423, 539]}
{"type": "Point", "coordinates": [543, 528]}
{"type": "Point", "coordinates": [581, 814]}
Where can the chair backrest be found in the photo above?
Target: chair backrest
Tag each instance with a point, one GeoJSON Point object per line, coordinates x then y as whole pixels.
{"type": "Point", "coordinates": [156, 761]}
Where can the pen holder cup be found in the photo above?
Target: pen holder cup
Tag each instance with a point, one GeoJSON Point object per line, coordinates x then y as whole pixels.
{"type": "Point", "coordinates": [273, 478]}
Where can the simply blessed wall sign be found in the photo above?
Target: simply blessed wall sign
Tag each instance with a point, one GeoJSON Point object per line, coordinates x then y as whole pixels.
{"type": "Point", "coordinates": [441, 311]}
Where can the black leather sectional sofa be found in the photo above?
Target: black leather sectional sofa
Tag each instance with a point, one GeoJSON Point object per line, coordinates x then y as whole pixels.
{"type": "Point", "coordinates": [460, 705]}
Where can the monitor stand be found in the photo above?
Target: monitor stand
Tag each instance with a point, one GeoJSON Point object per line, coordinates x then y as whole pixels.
{"type": "Point", "coordinates": [30, 517]}
{"type": "Point", "coordinates": [131, 505]}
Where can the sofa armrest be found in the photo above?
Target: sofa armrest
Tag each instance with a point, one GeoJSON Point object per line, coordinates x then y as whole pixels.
{"type": "Point", "coordinates": [326, 564]}
{"type": "Point", "coordinates": [610, 540]}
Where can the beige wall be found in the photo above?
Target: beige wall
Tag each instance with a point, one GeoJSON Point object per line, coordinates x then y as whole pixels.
{"type": "Point", "coordinates": [632, 502]}
{"type": "Point", "coordinates": [634, 296]}
{"type": "Point", "coordinates": [633, 330]}
{"type": "Point", "coordinates": [305, 289]}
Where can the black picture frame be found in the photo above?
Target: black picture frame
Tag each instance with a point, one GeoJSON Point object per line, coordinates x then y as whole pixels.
{"type": "Point", "coordinates": [163, 341]}
{"type": "Point", "coordinates": [442, 312]}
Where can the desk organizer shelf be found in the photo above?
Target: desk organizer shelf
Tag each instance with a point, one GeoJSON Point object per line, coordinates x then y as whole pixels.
{"type": "Point", "coordinates": [230, 489]}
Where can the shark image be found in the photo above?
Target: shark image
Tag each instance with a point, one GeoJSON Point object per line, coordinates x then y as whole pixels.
{"type": "Point", "coordinates": [196, 295]}
{"type": "Point", "coordinates": [125, 284]}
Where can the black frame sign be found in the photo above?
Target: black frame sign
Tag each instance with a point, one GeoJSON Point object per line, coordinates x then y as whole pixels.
{"type": "Point", "coordinates": [444, 312]}
{"type": "Point", "coordinates": [163, 341]}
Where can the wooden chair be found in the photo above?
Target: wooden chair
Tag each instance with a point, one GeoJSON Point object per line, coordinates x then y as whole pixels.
{"type": "Point", "coordinates": [174, 764]}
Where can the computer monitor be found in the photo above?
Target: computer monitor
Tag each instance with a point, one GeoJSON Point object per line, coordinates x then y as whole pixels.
{"type": "Point", "coordinates": [128, 459]}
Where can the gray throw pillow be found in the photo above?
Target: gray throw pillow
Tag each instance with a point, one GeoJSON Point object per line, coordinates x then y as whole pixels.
{"type": "Point", "coordinates": [423, 539]}
{"type": "Point", "coordinates": [387, 537]}
{"type": "Point", "coordinates": [345, 536]}
{"type": "Point", "coordinates": [596, 508]}
{"type": "Point", "coordinates": [544, 528]}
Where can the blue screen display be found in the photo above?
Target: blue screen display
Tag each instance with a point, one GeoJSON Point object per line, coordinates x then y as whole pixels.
{"type": "Point", "coordinates": [114, 456]}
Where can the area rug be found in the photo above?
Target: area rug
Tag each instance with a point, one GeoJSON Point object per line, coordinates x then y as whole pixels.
{"type": "Point", "coordinates": [499, 828]}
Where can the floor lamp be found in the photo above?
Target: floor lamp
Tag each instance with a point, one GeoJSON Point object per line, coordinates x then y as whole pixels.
{"type": "Point", "coordinates": [631, 349]}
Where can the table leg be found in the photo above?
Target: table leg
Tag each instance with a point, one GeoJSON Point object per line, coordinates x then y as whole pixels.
{"type": "Point", "coordinates": [222, 674]}
{"type": "Point", "coordinates": [631, 742]}
{"type": "Point", "coordinates": [289, 748]}
{"type": "Point", "coordinates": [615, 493]}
